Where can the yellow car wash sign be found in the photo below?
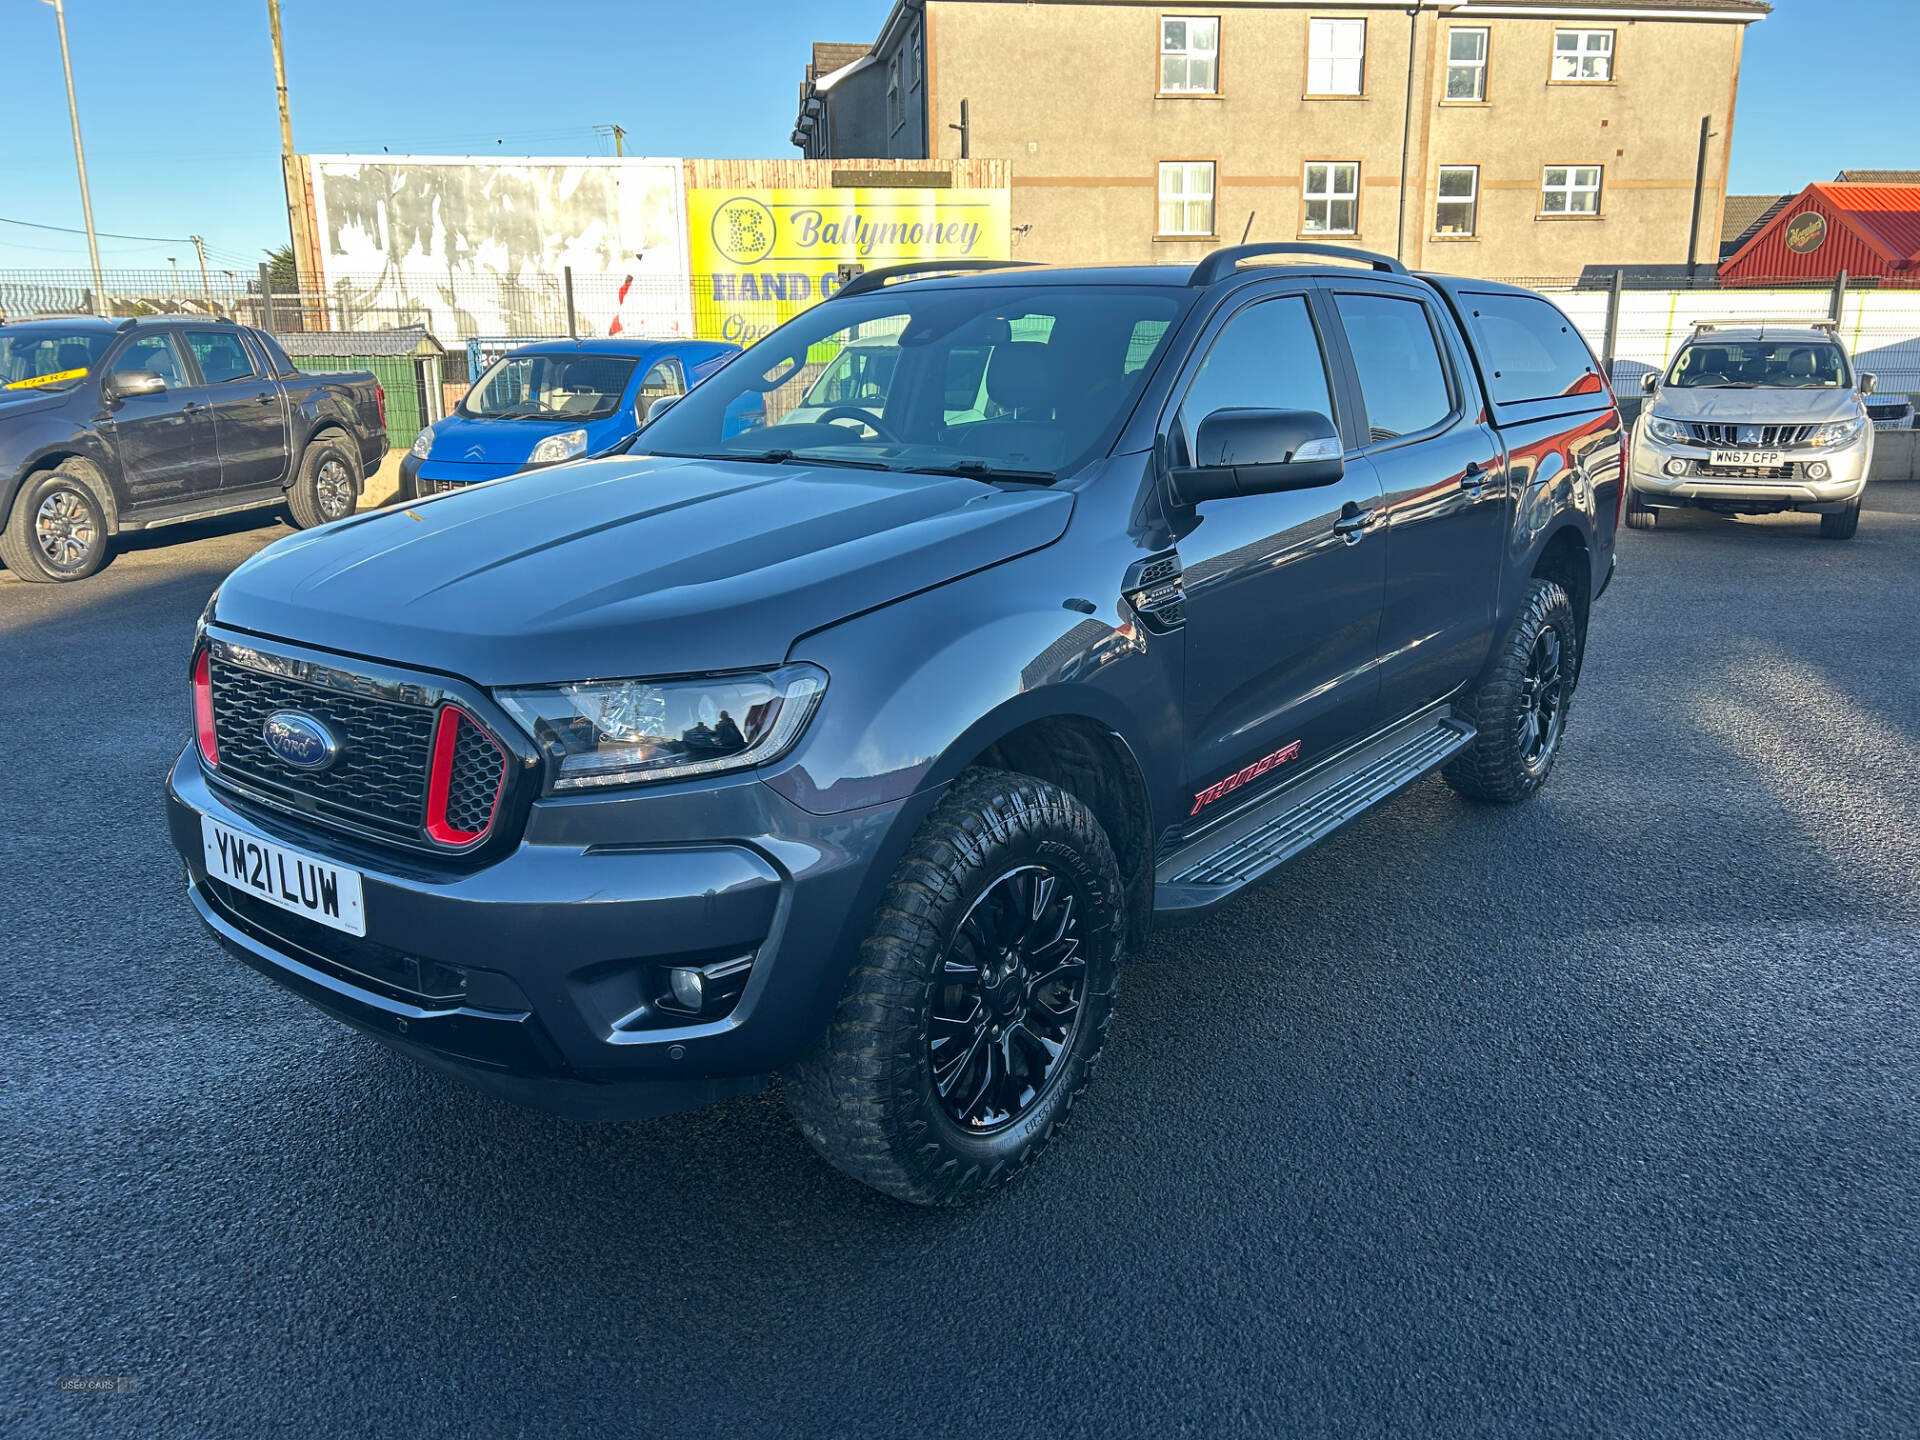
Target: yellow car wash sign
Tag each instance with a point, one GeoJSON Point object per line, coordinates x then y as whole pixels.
{"type": "Point", "coordinates": [59, 377]}
{"type": "Point", "coordinates": [760, 257]}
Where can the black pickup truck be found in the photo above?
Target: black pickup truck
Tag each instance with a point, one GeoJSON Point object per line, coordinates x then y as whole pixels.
{"type": "Point", "coordinates": [861, 745]}
{"type": "Point", "coordinates": [108, 426]}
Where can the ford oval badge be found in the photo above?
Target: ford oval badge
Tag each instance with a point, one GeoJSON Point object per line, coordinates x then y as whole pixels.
{"type": "Point", "coordinates": [299, 740]}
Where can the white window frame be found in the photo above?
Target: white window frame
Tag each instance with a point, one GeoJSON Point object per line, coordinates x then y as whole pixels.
{"type": "Point", "coordinates": [1323, 60]}
{"type": "Point", "coordinates": [1184, 198]}
{"type": "Point", "coordinates": [1447, 97]}
{"type": "Point", "coordinates": [1471, 200]}
{"type": "Point", "coordinates": [1188, 53]}
{"type": "Point", "coordinates": [1583, 52]}
{"type": "Point", "coordinates": [1327, 195]}
{"type": "Point", "coordinates": [896, 95]}
{"type": "Point", "coordinates": [1572, 189]}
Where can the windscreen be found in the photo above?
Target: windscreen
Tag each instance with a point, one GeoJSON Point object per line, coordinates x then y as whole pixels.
{"type": "Point", "coordinates": [33, 362]}
{"type": "Point", "coordinates": [1760, 365]}
{"type": "Point", "coordinates": [566, 386]}
{"type": "Point", "coordinates": [1025, 381]}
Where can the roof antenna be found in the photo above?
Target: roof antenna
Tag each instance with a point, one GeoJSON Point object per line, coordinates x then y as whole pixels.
{"type": "Point", "coordinates": [1249, 230]}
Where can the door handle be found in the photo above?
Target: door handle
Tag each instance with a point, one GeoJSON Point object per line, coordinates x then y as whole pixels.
{"type": "Point", "coordinates": [266, 397]}
{"type": "Point", "coordinates": [1473, 478]}
{"type": "Point", "coordinates": [1353, 523]}
{"type": "Point", "coordinates": [192, 407]}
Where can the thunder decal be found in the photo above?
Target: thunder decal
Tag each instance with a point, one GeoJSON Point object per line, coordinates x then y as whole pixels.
{"type": "Point", "coordinates": [1234, 781]}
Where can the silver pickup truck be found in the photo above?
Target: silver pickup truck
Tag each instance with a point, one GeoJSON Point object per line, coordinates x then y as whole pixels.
{"type": "Point", "coordinates": [1754, 419]}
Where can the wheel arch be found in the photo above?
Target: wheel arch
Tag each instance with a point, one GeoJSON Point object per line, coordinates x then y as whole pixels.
{"type": "Point", "coordinates": [1085, 754]}
{"type": "Point", "coordinates": [1567, 560]}
{"type": "Point", "coordinates": [51, 459]}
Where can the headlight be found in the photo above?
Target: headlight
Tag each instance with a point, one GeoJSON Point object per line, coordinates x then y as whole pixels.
{"type": "Point", "coordinates": [622, 732]}
{"type": "Point", "coordinates": [422, 444]}
{"type": "Point", "coordinates": [1838, 433]}
{"type": "Point", "coordinates": [1671, 431]}
{"type": "Point", "coordinates": [564, 446]}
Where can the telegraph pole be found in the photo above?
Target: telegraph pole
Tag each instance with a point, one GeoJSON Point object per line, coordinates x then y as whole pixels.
{"type": "Point", "coordinates": [80, 157]}
{"type": "Point", "coordinates": [619, 141]}
{"type": "Point", "coordinates": [200, 249]}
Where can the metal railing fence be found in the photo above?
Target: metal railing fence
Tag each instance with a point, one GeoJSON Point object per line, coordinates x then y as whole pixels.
{"type": "Point", "coordinates": [1636, 323]}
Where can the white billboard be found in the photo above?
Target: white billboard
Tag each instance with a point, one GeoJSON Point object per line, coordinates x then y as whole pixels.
{"type": "Point", "coordinates": [476, 246]}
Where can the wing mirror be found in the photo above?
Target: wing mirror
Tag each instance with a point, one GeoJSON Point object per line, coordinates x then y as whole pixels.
{"type": "Point", "coordinates": [124, 384]}
{"type": "Point", "coordinates": [1869, 382]}
{"type": "Point", "coordinates": [660, 406]}
{"type": "Point", "coordinates": [1649, 382]}
{"type": "Point", "coordinates": [1259, 452]}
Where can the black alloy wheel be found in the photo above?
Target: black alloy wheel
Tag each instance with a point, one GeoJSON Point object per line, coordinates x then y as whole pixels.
{"type": "Point", "coordinates": [1543, 702]}
{"type": "Point", "coordinates": [1007, 1001]}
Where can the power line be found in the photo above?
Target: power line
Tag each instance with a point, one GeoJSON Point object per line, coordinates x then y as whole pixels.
{"type": "Point", "coordinates": [69, 230]}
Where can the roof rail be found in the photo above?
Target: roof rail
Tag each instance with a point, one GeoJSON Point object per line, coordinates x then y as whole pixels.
{"type": "Point", "coordinates": [1222, 263]}
{"type": "Point", "coordinates": [868, 281]}
{"type": "Point", "coordinates": [1764, 322]}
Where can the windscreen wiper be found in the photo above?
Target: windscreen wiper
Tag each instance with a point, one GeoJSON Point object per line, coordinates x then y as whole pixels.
{"type": "Point", "coordinates": [783, 457]}
{"type": "Point", "coordinates": [986, 470]}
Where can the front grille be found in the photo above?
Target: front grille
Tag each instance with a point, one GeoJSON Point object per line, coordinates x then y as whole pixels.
{"type": "Point", "coordinates": [379, 781]}
{"type": "Point", "coordinates": [474, 784]}
{"type": "Point", "coordinates": [428, 486]}
{"type": "Point", "coordinates": [1745, 472]}
{"type": "Point", "coordinates": [1887, 412]}
{"type": "Point", "coordinates": [1772, 437]}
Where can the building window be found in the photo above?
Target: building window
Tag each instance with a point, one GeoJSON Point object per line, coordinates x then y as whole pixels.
{"type": "Point", "coordinates": [1336, 57]}
{"type": "Point", "coordinates": [1458, 210]}
{"type": "Point", "coordinates": [1186, 197]}
{"type": "Point", "coordinates": [896, 102]}
{"type": "Point", "coordinates": [1570, 190]}
{"type": "Point", "coordinates": [919, 67]}
{"type": "Point", "coordinates": [1189, 55]}
{"type": "Point", "coordinates": [1332, 192]}
{"type": "Point", "coordinates": [1583, 55]}
{"type": "Point", "coordinates": [1467, 63]}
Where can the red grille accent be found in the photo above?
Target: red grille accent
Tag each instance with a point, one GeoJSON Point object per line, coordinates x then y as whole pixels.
{"type": "Point", "coordinates": [203, 710]}
{"type": "Point", "coordinates": [464, 781]}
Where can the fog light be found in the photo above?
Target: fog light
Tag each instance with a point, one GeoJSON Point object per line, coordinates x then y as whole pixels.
{"type": "Point", "coordinates": [689, 988]}
{"type": "Point", "coordinates": [1676, 466]}
{"type": "Point", "coordinates": [1817, 470]}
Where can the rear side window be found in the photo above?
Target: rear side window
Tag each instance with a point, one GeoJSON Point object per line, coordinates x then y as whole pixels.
{"type": "Point", "coordinates": [1397, 359]}
{"type": "Point", "coordinates": [1529, 349]}
{"type": "Point", "coordinates": [281, 364]}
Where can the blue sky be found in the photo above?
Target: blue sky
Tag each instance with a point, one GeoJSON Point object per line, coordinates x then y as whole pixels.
{"type": "Point", "coordinates": [177, 104]}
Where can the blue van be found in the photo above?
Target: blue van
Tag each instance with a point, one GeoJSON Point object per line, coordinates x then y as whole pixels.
{"type": "Point", "coordinates": [556, 400]}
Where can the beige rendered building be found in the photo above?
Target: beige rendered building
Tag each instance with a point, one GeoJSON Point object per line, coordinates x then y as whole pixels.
{"type": "Point", "coordinates": [1535, 138]}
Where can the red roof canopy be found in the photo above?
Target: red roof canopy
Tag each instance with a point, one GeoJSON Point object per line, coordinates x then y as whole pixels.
{"type": "Point", "coordinates": [1865, 230]}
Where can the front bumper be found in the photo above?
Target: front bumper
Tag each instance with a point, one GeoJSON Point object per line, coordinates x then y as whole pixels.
{"type": "Point", "coordinates": [430, 476]}
{"type": "Point", "coordinates": [1847, 469]}
{"type": "Point", "coordinates": [531, 977]}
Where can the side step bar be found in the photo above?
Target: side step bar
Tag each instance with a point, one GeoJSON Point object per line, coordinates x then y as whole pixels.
{"type": "Point", "coordinates": [1219, 865]}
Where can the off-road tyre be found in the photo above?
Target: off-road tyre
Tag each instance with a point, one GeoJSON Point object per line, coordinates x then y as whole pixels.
{"type": "Point", "coordinates": [1840, 524]}
{"type": "Point", "coordinates": [321, 492]}
{"type": "Point", "coordinates": [1504, 764]}
{"type": "Point", "coordinates": [57, 529]}
{"type": "Point", "coordinates": [866, 1096]}
{"type": "Point", "coordinates": [1639, 516]}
